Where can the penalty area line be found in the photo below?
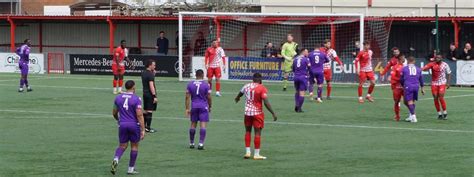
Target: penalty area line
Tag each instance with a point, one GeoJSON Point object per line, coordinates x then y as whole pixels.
{"type": "Point", "coordinates": [96, 115]}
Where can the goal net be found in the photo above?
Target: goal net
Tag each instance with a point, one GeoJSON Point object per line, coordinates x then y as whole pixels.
{"type": "Point", "coordinates": [245, 36]}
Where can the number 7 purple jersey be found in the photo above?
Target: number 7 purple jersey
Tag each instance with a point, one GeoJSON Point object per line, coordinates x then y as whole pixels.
{"type": "Point", "coordinates": [199, 89]}
{"type": "Point", "coordinates": [127, 105]}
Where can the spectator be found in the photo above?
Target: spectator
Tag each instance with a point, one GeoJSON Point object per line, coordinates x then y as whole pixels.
{"type": "Point", "coordinates": [468, 53]}
{"type": "Point", "coordinates": [269, 51]}
{"type": "Point", "coordinates": [453, 53]}
{"type": "Point", "coordinates": [200, 45]}
{"type": "Point", "coordinates": [162, 44]}
{"type": "Point", "coordinates": [279, 51]}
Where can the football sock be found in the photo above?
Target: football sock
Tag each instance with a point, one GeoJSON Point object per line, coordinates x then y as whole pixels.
{"type": "Point", "coordinates": [202, 135]}
{"type": "Point", "coordinates": [256, 152]}
{"type": "Point", "coordinates": [256, 141]}
{"type": "Point", "coordinates": [114, 83]}
{"type": "Point", "coordinates": [285, 82]}
{"type": "Point", "coordinates": [311, 88]}
{"type": "Point", "coordinates": [359, 90]}
{"type": "Point", "coordinates": [371, 88]}
{"type": "Point", "coordinates": [443, 103]}
{"type": "Point", "coordinates": [248, 138]}
{"type": "Point", "coordinates": [411, 107]}
{"type": "Point", "coordinates": [192, 132]}
{"type": "Point", "coordinates": [218, 86]}
{"type": "Point", "coordinates": [120, 83]}
{"type": "Point", "coordinates": [301, 101]}
{"type": "Point", "coordinates": [22, 82]}
{"type": "Point", "coordinates": [436, 103]}
{"type": "Point", "coordinates": [440, 113]}
{"type": "Point", "coordinates": [329, 87]}
{"type": "Point", "coordinates": [396, 108]}
{"type": "Point", "coordinates": [445, 112]}
{"type": "Point", "coordinates": [247, 150]}
{"type": "Point", "coordinates": [26, 82]}
{"type": "Point", "coordinates": [133, 158]}
{"type": "Point", "coordinates": [150, 116]}
{"type": "Point", "coordinates": [210, 84]}
{"type": "Point", "coordinates": [118, 153]}
{"type": "Point", "coordinates": [131, 169]}
{"type": "Point", "coordinates": [320, 91]}
{"type": "Point", "coordinates": [147, 118]}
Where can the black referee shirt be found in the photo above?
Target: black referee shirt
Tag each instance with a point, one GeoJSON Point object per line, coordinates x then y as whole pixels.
{"type": "Point", "coordinates": [148, 76]}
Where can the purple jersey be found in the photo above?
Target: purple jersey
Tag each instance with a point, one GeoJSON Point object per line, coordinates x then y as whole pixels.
{"type": "Point", "coordinates": [24, 52]}
{"type": "Point", "coordinates": [300, 66]}
{"type": "Point", "coordinates": [127, 105]}
{"type": "Point", "coordinates": [317, 59]}
{"type": "Point", "coordinates": [199, 90]}
{"type": "Point", "coordinates": [411, 76]}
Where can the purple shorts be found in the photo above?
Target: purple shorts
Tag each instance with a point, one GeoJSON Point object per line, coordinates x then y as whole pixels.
{"type": "Point", "coordinates": [199, 114]}
{"type": "Point", "coordinates": [411, 93]}
{"type": "Point", "coordinates": [129, 132]}
{"type": "Point", "coordinates": [301, 83]}
{"type": "Point", "coordinates": [317, 78]}
{"type": "Point", "coordinates": [23, 67]}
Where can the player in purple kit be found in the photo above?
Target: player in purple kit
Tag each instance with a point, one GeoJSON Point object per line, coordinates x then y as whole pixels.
{"type": "Point", "coordinates": [317, 59]}
{"type": "Point", "coordinates": [198, 92]}
{"type": "Point", "coordinates": [411, 80]}
{"type": "Point", "coordinates": [24, 52]}
{"type": "Point", "coordinates": [128, 112]}
{"type": "Point", "coordinates": [300, 69]}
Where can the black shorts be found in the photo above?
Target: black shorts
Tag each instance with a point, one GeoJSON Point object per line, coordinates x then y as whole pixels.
{"type": "Point", "coordinates": [148, 103]}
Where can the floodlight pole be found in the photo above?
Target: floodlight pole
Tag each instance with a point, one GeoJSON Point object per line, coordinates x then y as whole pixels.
{"type": "Point", "coordinates": [437, 29]}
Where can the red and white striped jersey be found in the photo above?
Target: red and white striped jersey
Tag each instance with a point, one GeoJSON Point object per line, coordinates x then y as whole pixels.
{"type": "Point", "coordinates": [332, 55]}
{"type": "Point", "coordinates": [438, 72]}
{"type": "Point", "coordinates": [215, 56]}
{"type": "Point", "coordinates": [254, 95]}
{"type": "Point", "coordinates": [365, 59]}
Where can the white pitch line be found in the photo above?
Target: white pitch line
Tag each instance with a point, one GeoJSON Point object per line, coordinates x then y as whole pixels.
{"type": "Point", "coordinates": [95, 115]}
{"type": "Point", "coordinates": [226, 93]}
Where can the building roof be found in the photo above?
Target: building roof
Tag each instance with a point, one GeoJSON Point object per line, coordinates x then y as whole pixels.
{"type": "Point", "coordinates": [82, 5]}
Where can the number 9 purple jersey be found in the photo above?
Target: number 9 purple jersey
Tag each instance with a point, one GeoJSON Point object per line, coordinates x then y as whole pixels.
{"type": "Point", "coordinates": [199, 90]}
{"type": "Point", "coordinates": [317, 59]}
{"type": "Point", "coordinates": [127, 105]}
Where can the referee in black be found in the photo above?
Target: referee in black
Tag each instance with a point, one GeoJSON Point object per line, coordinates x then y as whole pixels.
{"type": "Point", "coordinates": [149, 94]}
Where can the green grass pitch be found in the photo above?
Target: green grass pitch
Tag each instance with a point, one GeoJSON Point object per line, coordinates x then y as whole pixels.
{"type": "Point", "coordinates": [65, 128]}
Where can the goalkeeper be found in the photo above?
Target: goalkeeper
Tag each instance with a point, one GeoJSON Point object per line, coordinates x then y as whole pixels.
{"type": "Point", "coordinates": [288, 51]}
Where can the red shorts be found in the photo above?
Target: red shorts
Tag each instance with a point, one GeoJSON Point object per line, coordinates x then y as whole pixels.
{"type": "Point", "coordinates": [211, 72]}
{"type": "Point", "coordinates": [328, 75]}
{"type": "Point", "coordinates": [364, 76]}
{"type": "Point", "coordinates": [397, 90]}
{"type": "Point", "coordinates": [438, 89]}
{"type": "Point", "coordinates": [257, 121]}
{"type": "Point", "coordinates": [118, 70]}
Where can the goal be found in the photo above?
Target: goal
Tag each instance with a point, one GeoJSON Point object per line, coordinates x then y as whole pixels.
{"type": "Point", "coordinates": [243, 36]}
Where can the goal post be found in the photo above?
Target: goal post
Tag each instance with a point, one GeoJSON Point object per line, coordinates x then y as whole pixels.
{"type": "Point", "coordinates": [243, 36]}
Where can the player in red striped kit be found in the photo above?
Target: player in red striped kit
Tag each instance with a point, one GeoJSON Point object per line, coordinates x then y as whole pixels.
{"type": "Point", "coordinates": [332, 55]}
{"type": "Point", "coordinates": [395, 76]}
{"type": "Point", "coordinates": [255, 93]}
{"type": "Point", "coordinates": [440, 79]}
{"type": "Point", "coordinates": [214, 60]}
{"type": "Point", "coordinates": [363, 64]}
{"type": "Point", "coordinates": [118, 66]}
